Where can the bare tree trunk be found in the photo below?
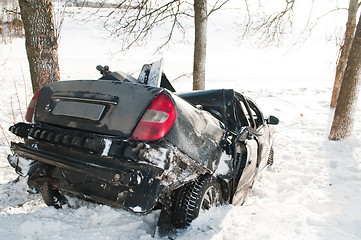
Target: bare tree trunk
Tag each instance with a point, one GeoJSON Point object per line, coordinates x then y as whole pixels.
{"type": "Point", "coordinates": [41, 42]}
{"type": "Point", "coordinates": [200, 44]}
{"type": "Point", "coordinates": [347, 101]}
{"type": "Point", "coordinates": [345, 50]}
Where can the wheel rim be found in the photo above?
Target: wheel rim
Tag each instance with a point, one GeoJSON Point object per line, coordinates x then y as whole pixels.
{"type": "Point", "coordinates": [211, 198]}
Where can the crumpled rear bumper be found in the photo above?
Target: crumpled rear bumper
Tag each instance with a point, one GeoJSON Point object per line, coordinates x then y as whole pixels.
{"type": "Point", "coordinates": [118, 182]}
{"type": "Point", "coordinates": [133, 186]}
{"type": "Point", "coordinates": [112, 171]}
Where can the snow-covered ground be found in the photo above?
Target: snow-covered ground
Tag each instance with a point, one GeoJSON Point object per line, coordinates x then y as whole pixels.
{"type": "Point", "coordinates": [313, 191]}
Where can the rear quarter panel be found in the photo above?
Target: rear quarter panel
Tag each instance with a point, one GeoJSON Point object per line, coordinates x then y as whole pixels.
{"type": "Point", "coordinates": [198, 134]}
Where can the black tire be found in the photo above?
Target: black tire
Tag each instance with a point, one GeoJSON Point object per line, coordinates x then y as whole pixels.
{"type": "Point", "coordinates": [52, 197]}
{"type": "Point", "coordinates": [270, 157]}
{"type": "Point", "coordinates": [194, 197]}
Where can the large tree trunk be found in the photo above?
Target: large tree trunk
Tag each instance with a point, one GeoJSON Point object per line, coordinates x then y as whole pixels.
{"type": "Point", "coordinates": [345, 50]}
{"type": "Point", "coordinates": [347, 100]}
{"type": "Point", "coordinates": [200, 44]}
{"type": "Point", "coordinates": [41, 42]}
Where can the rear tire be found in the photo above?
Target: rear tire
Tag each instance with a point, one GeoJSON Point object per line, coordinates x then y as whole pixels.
{"type": "Point", "coordinates": [52, 197]}
{"type": "Point", "coordinates": [195, 197]}
{"type": "Point", "coordinates": [270, 157]}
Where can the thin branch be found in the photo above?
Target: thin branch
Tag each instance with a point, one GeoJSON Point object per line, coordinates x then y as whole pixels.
{"type": "Point", "coordinates": [312, 26]}
{"type": "Point", "coordinates": [175, 22]}
{"type": "Point", "coordinates": [12, 109]}
{"type": "Point", "coordinates": [59, 17]}
{"type": "Point", "coordinates": [137, 22]}
{"type": "Point", "coordinates": [215, 7]}
{"type": "Point", "coordinates": [248, 24]}
{"type": "Point", "coordinates": [11, 11]}
{"type": "Point", "coordinates": [4, 134]}
{"type": "Point", "coordinates": [118, 6]}
{"type": "Point", "coordinates": [188, 75]}
{"type": "Point", "coordinates": [271, 27]}
{"type": "Point", "coordinates": [17, 96]}
{"type": "Point", "coordinates": [25, 91]}
{"type": "Point", "coordinates": [133, 20]}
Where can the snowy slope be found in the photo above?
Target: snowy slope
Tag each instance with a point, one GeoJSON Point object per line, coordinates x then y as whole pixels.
{"type": "Point", "coordinates": [313, 191]}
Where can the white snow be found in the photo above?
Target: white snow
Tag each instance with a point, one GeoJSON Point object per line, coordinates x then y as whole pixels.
{"type": "Point", "coordinates": [108, 144]}
{"type": "Point", "coordinates": [313, 190]}
{"type": "Point", "coordinates": [223, 166]}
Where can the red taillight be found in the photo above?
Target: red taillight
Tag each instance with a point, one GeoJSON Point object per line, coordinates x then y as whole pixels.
{"type": "Point", "coordinates": [157, 120]}
{"type": "Point", "coordinates": [30, 113]}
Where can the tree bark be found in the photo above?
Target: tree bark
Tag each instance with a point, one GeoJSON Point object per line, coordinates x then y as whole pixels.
{"type": "Point", "coordinates": [347, 101]}
{"type": "Point", "coordinates": [200, 44]}
{"type": "Point", "coordinates": [345, 50]}
{"type": "Point", "coordinates": [40, 41]}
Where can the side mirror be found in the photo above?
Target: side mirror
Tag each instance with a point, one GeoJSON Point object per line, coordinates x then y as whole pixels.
{"type": "Point", "coordinates": [272, 120]}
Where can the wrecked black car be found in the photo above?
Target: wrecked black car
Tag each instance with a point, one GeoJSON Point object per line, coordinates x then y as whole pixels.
{"type": "Point", "coordinates": [136, 144]}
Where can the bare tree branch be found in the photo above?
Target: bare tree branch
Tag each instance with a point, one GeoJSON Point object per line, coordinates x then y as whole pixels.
{"type": "Point", "coordinates": [248, 24]}
{"type": "Point", "coordinates": [11, 11]}
{"type": "Point", "coordinates": [174, 24]}
{"type": "Point", "coordinates": [58, 17]}
{"type": "Point", "coordinates": [270, 27]}
{"type": "Point", "coordinates": [309, 27]}
{"type": "Point", "coordinates": [133, 20]}
{"type": "Point", "coordinates": [215, 7]}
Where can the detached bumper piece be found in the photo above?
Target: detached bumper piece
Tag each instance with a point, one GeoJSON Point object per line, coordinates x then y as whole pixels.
{"type": "Point", "coordinates": [70, 138]}
{"type": "Point", "coordinates": [108, 180]}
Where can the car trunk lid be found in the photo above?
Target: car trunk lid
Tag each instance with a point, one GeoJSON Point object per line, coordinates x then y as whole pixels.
{"type": "Point", "coordinates": [99, 106]}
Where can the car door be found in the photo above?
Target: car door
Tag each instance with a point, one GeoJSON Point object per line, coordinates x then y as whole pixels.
{"type": "Point", "coordinates": [262, 133]}
{"type": "Point", "coordinates": [246, 148]}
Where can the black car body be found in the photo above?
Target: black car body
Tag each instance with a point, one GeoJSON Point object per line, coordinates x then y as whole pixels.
{"type": "Point", "coordinates": [135, 144]}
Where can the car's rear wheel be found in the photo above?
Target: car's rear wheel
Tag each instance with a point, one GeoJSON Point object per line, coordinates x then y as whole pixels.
{"type": "Point", "coordinates": [270, 157]}
{"type": "Point", "coordinates": [195, 198]}
{"type": "Point", "coordinates": [51, 196]}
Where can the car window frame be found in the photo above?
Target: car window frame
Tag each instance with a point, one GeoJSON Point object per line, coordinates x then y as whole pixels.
{"type": "Point", "coordinates": [242, 100]}
{"type": "Point", "coordinates": [259, 121]}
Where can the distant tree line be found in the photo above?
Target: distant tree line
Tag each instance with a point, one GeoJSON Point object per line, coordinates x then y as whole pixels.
{"type": "Point", "coordinates": [10, 21]}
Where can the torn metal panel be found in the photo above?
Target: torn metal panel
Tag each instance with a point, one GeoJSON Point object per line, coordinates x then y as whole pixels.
{"type": "Point", "coordinates": [151, 74]}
